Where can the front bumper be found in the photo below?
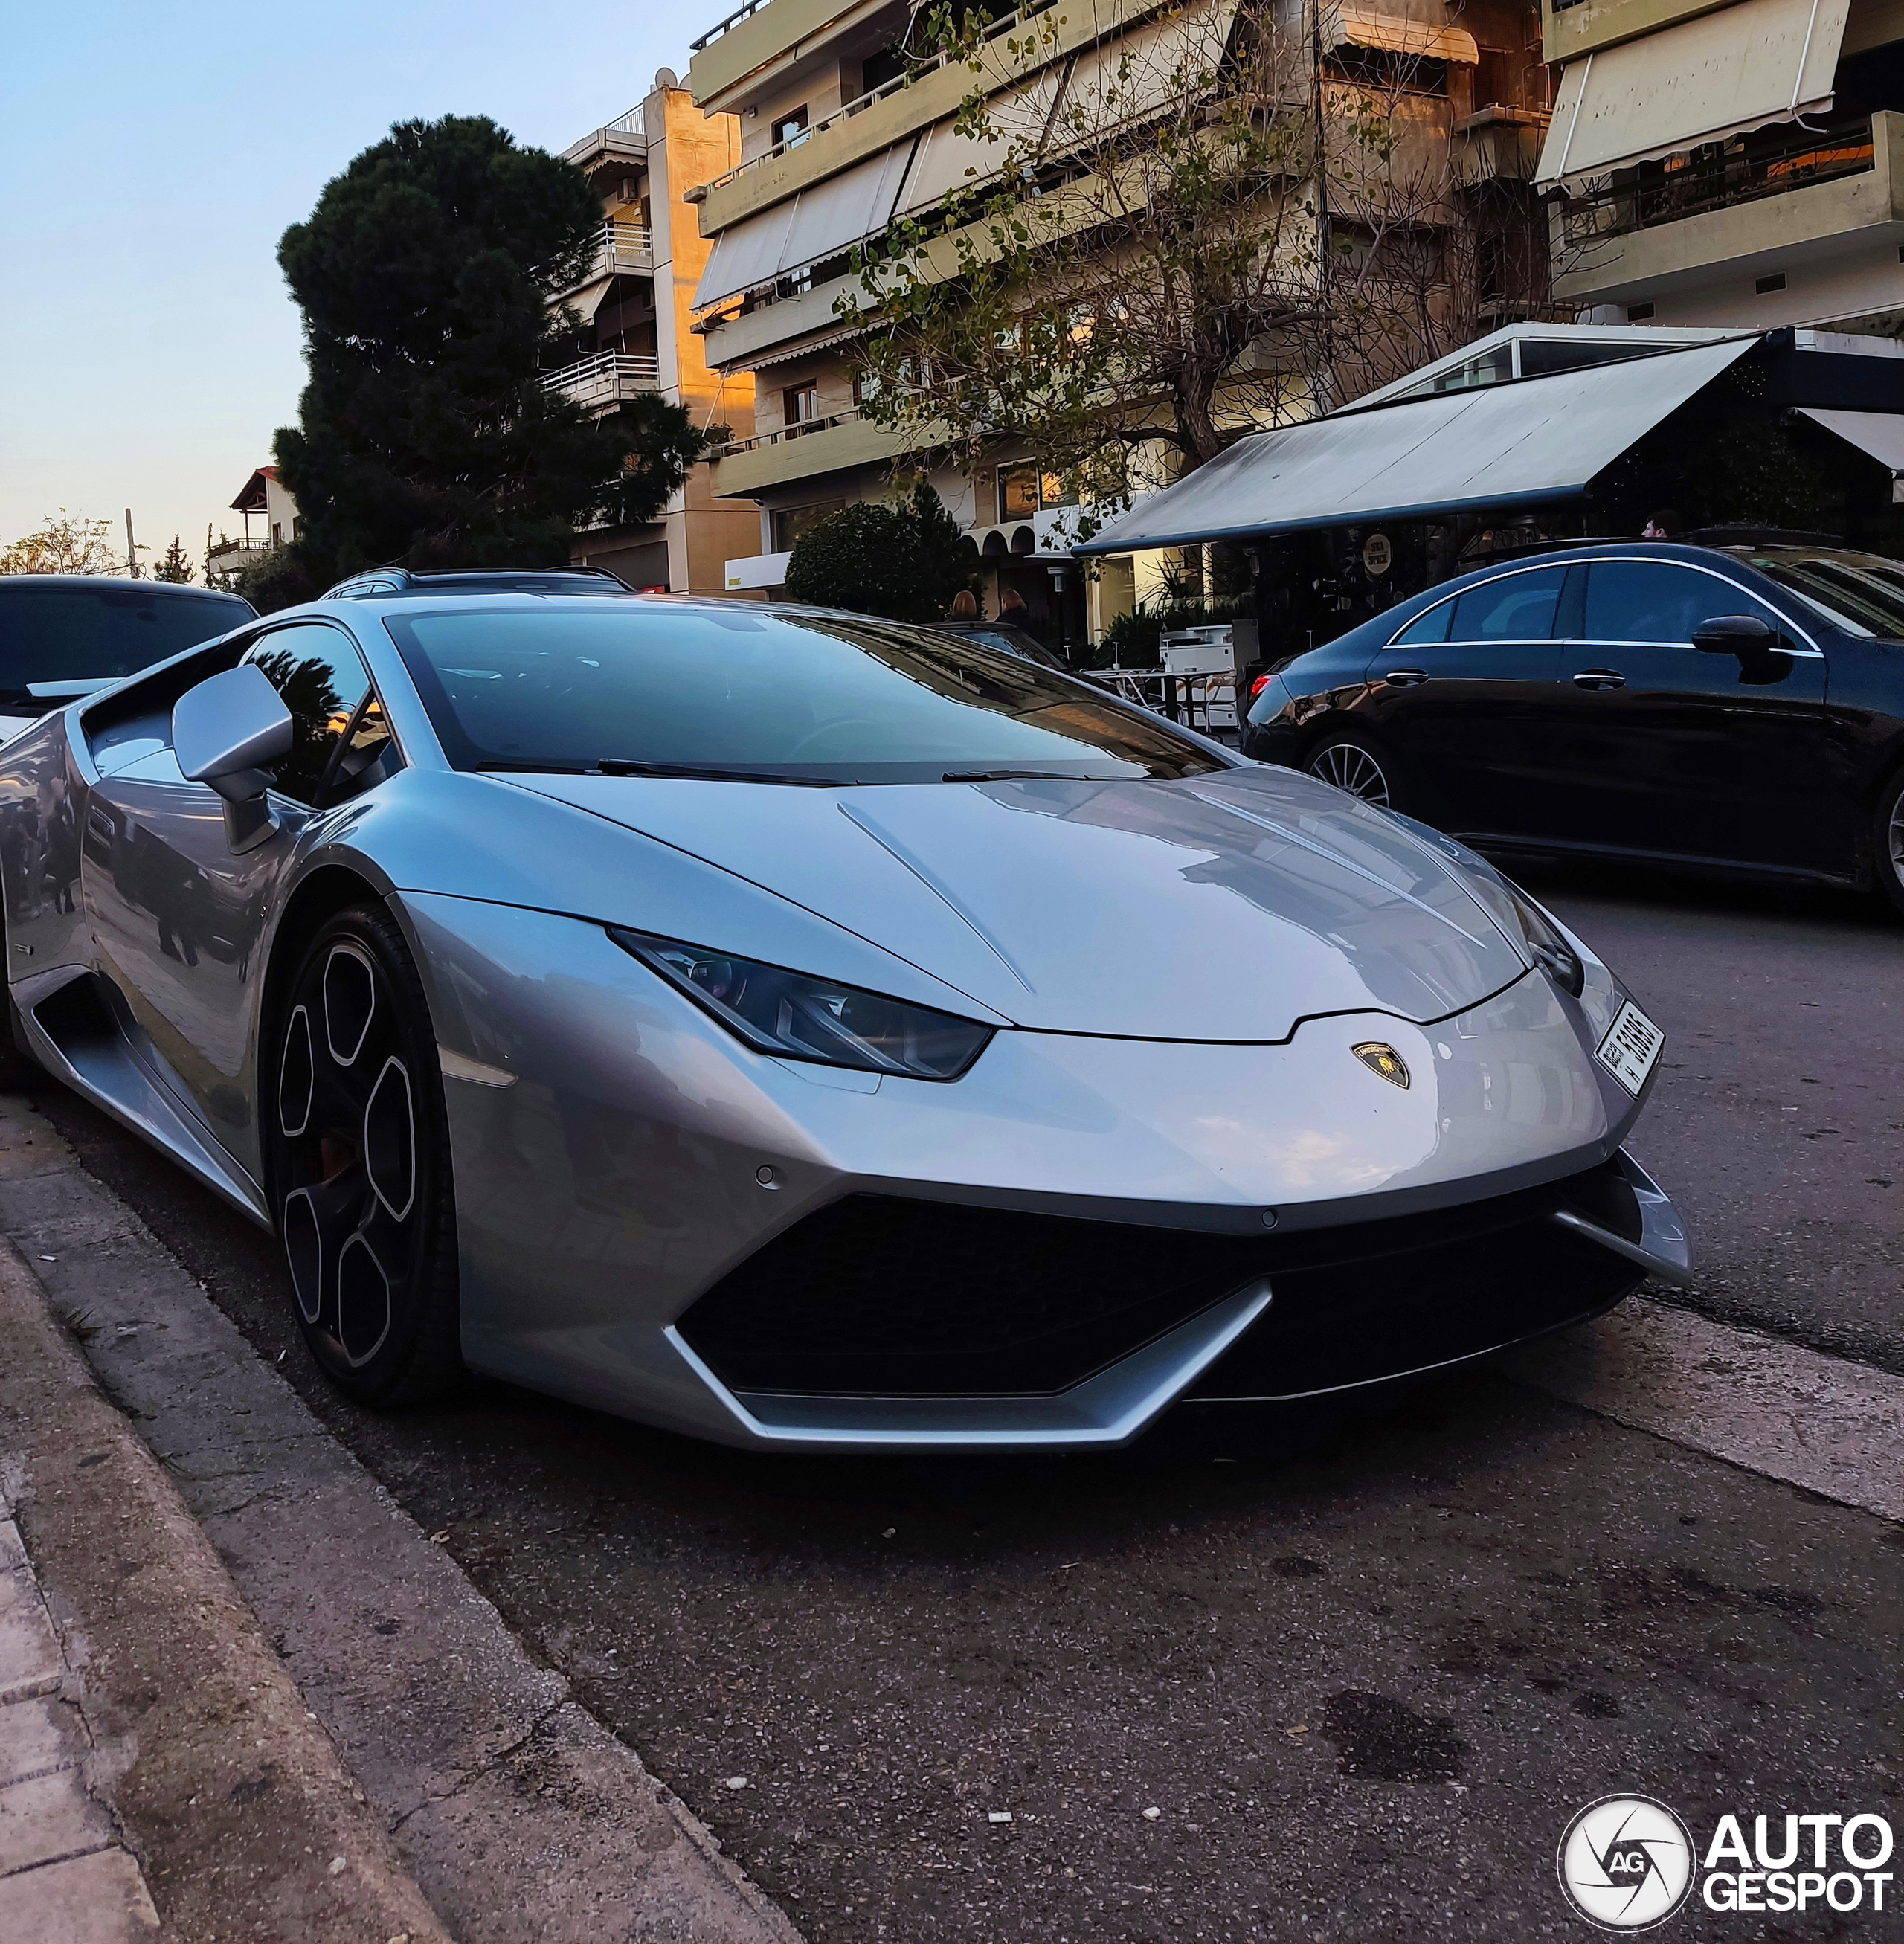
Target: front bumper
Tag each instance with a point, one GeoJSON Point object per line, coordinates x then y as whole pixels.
{"type": "Point", "coordinates": [657, 1221]}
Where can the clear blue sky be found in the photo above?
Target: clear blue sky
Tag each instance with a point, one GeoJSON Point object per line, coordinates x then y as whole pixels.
{"type": "Point", "coordinates": [150, 158]}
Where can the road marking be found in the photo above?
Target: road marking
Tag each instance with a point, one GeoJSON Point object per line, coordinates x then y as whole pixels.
{"type": "Point", "coordinates": [1835, 1427]}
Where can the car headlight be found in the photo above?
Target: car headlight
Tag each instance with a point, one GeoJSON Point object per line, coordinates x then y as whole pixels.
{"type": "Point", "coordinates": [1547, 943]}
{"type": "Point", "coordinates": [799, 1017]}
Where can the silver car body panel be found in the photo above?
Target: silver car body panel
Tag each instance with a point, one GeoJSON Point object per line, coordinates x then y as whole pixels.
{"type": "Point", "coordinates": [1176, 971]}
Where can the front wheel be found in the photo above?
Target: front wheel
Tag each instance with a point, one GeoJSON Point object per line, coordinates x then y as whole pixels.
{"type": "Point", "coordinates": [1887, 846]}
{"type": "Point", "coordinates": [1353, 765]}
{"type": "Point", "coordinates": [360, 1165]}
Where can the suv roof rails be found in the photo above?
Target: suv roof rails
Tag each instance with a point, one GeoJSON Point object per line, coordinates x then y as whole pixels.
{"type": "Point", "coordinates": [1758, 536]}
{"type": "Point", "coordinates": [472, 580]}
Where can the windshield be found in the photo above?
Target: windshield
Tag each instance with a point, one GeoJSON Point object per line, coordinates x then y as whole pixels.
{"type": "Point", "coordinates": [1013, 640]}
{"type": "Point", "coordinates": [1861, 596]}
{"type": "Point", "coordinates": [768, 696]}
{"type": "Point", "coordinates": [53, 634]}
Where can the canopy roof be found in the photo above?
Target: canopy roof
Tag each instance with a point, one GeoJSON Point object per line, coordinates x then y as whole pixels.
{"type": "Point", "coordinates": [1879, 434]}
{"type": "Point", "coordinates": [1513, 443]}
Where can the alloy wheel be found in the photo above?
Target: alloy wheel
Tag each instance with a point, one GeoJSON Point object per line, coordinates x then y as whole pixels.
{"type": "Point", "coordinates": [352, 1215]}
{"type": "Point", "coordinates": [1351, 767]}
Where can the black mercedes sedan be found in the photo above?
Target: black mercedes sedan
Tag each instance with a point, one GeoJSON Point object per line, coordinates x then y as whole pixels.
{"type": "Point", "coordinates": [1738, 708]}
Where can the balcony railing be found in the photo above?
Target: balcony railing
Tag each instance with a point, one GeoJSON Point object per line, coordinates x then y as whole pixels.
{"type": "Point", "coordinates": [859, 103]}
{"type": "Point", "coordinates": [619, 247]}
{"type": "Point", "coordinates": [1769, 161]}
{"type": "Point", "coordinates": [780, 434]}
{"type": "Point", "coordinates": [607, 379]}
{"type": "Point", "coordinates": [624, 136]}
{"type": "Point", "coordinates": [720, 27]}
{"type": "Point", "coordinates": [229, 554]}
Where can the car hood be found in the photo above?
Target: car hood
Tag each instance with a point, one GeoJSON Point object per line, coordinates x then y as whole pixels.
{"type": "Point", "coordinates": [1229, 906]}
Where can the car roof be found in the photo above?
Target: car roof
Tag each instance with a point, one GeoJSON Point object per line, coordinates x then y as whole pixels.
{"type": "Point", "coordinates": [165, 590]}
{"type": "Point", "coordinates": [477, 580]}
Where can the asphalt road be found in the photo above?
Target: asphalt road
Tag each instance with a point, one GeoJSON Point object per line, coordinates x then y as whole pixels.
{"type": "Point", "coordinates": [1777, 1124]}
{"type": "Point", "coordinates": [1362, 1680]}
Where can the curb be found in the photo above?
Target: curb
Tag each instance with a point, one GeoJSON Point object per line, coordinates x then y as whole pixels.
{"type": "Point", "coordinates": [518, 1816]}
{"type": "Point", "coordinates": [233, 1798]}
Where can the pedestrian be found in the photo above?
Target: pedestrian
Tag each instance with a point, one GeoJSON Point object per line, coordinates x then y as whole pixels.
{"type": "Point", "coordinates": [1012, 608]}
{"type": "Point", "coordinates": [1662, 526]}
{"type": "Point", "coordinates": [964, 607]}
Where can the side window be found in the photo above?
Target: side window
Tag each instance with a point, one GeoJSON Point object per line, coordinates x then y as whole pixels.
{"type": "Point", "coordinates": [1430, 625]}
{"type": "Point", "coordinates": [1516, 608]}
{"type": "Point", "coordinates": [322, 678]}
{"type": "Point", "coordinates": [1656, 601]}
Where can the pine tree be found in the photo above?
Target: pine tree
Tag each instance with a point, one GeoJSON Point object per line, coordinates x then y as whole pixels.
{"type": "Point", "coordinates": [426, 437]}
{"type": "Point", "coordinates": [174, 565]}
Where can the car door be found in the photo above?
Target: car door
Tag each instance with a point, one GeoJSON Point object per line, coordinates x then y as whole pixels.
{"type": "Point", "coordinates": [1463, 697]}
{"type": "Point", "coordinates": [177, 917]}
{"type": "Point", "coordinates": [1679, 753]}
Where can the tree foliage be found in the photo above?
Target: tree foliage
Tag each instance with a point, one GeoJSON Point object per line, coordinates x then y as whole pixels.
{"type": "Point", "coordinates": [64, 542]}
{"type": "Point", "coordinates": [174, 564]}
{"type": "Point", "coordinates": [1212, 234]}
{"type": "Point", "coordinates": [426, 436]}
{"type": "Point", "coordinates": [904, 561]}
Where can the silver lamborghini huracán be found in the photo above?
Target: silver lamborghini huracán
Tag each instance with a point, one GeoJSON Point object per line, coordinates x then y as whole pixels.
{"type": "Point", "coordinates": [802, 1031]}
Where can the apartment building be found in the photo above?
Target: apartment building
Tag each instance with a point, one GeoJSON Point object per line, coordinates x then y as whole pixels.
{"type": "Point", "coordinates": [1736, 165]}
{"type": "Point", "coordinates": [634, 305]}
{"type": "Point", "coordinates": [836, 143]}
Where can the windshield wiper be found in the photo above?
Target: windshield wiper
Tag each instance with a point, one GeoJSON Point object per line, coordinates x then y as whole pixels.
{"type": "Point", "coordinates": [1019, 776]}
{"type": "Point", "coordinates": [618, 766]}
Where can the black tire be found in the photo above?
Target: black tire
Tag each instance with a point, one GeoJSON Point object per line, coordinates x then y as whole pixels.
{"type": "Point", "coordinates": [1887, 843]}
{"type": "Point", "coordinates": [360, 1173]}
{"type": "Point", "coordinates": [1353, 764]}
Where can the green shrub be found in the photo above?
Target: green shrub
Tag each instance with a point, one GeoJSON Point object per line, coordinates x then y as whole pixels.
{"type": "Point", "coordinates": [904, 562]}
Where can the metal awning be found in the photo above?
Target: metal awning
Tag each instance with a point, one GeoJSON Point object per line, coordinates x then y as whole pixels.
{"type": "Point", "coordinates": [1017, 121]}
{"type": "Point", "coordinates": [1880, 434]}
{"type": "Point", "coordinates": [1512, 445]}
{"type": "Point", "coordinates": [1346, 25]}
{"type": "Point", "coordinates": [1722, 75]}
{"type": "Point", "coordinates": [822, 220]}
{"type": "Point", "coordinates": [1143, 71]}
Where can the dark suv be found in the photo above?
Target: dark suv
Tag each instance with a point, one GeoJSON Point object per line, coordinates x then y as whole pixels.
{"type": "Point", "coordinates": [64, 634]}
{"type": "Point", "coordinates": [1738, 708]}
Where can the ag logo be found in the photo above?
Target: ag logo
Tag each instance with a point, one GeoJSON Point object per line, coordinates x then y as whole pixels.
{"type": "Point", "coordinates": [1383, 1060]}
{"type": "Point", "coordinates": [1626, 1863]}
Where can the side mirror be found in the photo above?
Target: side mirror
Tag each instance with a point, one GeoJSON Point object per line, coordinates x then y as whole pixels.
{"type": "Point", "coordinates": [221, 731]}
{"type": "Point", "coordinates": [1745, 635]}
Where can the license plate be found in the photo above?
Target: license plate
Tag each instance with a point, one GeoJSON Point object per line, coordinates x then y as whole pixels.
{"type": "Point", "coordinates": [1631, 1045]}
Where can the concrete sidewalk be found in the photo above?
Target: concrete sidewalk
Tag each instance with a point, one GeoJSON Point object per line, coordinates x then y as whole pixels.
{"type": "Point", "coordinates": [159, 1773]}
{"type": "Point", "coordinates": [64, 1873]}
{"type": "Point", "coordinates": [481, 1801]}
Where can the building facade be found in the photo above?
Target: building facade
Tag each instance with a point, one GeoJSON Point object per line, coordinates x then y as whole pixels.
{"type": "Point", "coordinates": [837, 142]}
{"type": "Point", "coordinates": [270, 513]}
{"type": "Point", "coordinates": [1738, 164]}
{"type": "Point", "coordinates": [633, 310]}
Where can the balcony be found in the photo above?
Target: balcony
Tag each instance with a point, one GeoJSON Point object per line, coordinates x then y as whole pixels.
{"type": "Point", "coordinates": [756, 35]}
{"type": "Point", "coordinates": [1781, 194]}
{"type": "Point", "coordinates": [625, 137]}
{"type": "Point", "coordinates": [229, 555]}
{"type": "Point", "coordinates": [805, 451]}
{"type": "Point", "coordinates": [1573, 28]}
{"type": "Point", "coordinates": [600, 383]}
{"type": "Point", "coordinates": [898, 108]}
{"type": "Point", "coordinates": [619, 247]}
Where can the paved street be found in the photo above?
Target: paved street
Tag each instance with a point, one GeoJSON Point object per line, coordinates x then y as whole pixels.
{"type": "Point", "coordinates": [1254, 1686]}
